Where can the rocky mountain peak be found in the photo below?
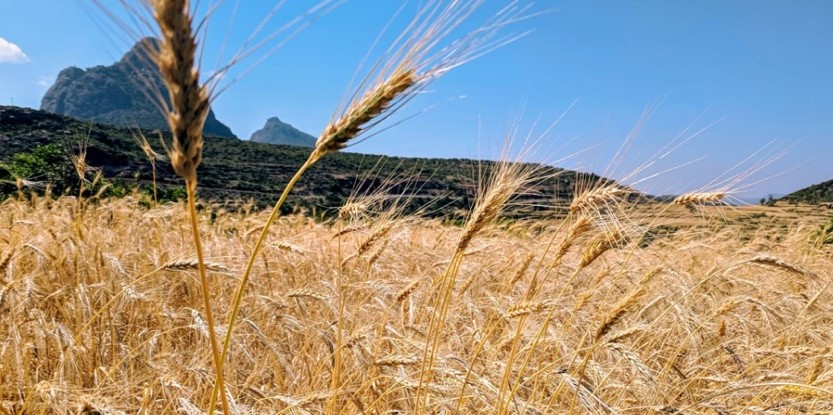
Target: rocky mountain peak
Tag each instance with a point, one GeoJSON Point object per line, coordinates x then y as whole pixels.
{"type": "Point", "coordinates": [119, 94]}
{"type": "Point", "coordinates": [278, 132]}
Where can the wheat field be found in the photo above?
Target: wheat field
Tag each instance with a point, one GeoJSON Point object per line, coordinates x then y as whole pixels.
{"type": "Point", "coordinates": [102, 314]}
{"type": "Point", "coordinates": [610, 306]}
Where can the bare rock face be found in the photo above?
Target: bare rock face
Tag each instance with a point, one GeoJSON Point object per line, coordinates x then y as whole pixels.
{"type": "Point", "coordinates": [277, 132]}
{"type": "Point", "coordinates": [122, 94]}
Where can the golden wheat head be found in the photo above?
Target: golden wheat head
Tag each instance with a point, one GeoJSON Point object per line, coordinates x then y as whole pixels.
{"type": "Point", "coordinates": [601, 244]}
{"type": "Point", "coordinates": [374, 102]}
{"type": "Point", "coordinates": [598, 199]}
{"type": "Point", "coordinates": [189, 101]}
{"type": "Point", "coordinates": [699, 198]}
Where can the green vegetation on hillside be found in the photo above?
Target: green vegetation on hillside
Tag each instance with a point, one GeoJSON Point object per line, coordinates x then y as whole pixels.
{"type": "Point", "coordinates": [817, 193]}
{"type": "Point", "coordinates": [237, 171]}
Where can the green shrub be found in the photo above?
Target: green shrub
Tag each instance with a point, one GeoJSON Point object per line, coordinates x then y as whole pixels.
{"type": "Point", "coordinates": [172, 194]}
{"type": "Point", "coordinates": [47, 164]}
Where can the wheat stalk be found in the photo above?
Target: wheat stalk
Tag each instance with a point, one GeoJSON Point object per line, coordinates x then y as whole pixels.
{"type": "Point", "coordinates": [409, 70]}
{"type": "Point", "coordinates": [509, 179]}
{"type": "Point", "coordinates": [188, 109]}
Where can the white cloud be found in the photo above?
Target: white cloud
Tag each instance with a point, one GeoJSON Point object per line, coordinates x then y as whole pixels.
{"type": "Point", "coordinates": [44, 81]}
{"type": "Point", "coordinates": [11, 53]}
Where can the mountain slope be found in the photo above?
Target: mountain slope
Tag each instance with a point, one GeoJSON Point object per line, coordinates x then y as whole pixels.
{"type": "Point", "coordinates": [235, 170]}
{"type": "Point", "coordinates": [277, 132]}
{"type": "Point", "coordinates": [817, 193]}
{"type": "Point", "coordinates": [117, 94]}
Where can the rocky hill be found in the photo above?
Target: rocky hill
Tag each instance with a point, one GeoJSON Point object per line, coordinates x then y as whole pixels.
{"type": "Point", "coordinates": [121, 94]}
{"type": "Point", "coordinates": [817, 193]}
{"type": "Point", "coordinates": [235, 170]}
{"type": "Point", "coordinates": [278, 132]}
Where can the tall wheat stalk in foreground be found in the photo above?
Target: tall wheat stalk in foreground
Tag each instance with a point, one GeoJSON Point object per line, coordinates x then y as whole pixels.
{"type": "Point", "coordinates": [507, 181]}
{"type": "Point", "coordinates": [189, 106]}
{"type": "Point", "coordinates": [152, 156]}
{"type": "Point", "coordinates": [412, 64]}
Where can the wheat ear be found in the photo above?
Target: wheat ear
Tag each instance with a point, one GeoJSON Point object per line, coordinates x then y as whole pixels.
{"type": "Point", "coordinates": [407, 291]}
{"type": "Point", "coordinates": [7, 259]}
{"type": "Point", "coordinates": [699, 198]}
{"type": "Point", "coordinates": [520, 272]}
{"type": "Point", "coordinates": [527, 307]}
{"type": "Point", "coordinates": [189, 100]}
{"type": "Point", "coordinates": [372, 104]}
{"type": "Point", "coordinates": [776, 262]}
{"type": "Point", "coordinates": [191, 264]}
{"type": "Point", "coordinates": [579, 227]}
{"type": "Point", "coordinates": [397, 360]}
{"type": "Point", "coordinates": [509, 179]}
{"type": "Point", "coordinates": [189, 106]}
{"type": "Point", "coordinates": [598, 199]}
{"type": "Point", "coordinates": [615, 314]}
{"type": "Point", "coordinates": [600, 245]}
{"type": "Point", "coordinates": [152, 156]}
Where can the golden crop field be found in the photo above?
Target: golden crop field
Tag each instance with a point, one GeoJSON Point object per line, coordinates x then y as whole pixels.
{"type": "Point", "coordinates": [608, 306]}
{"type": "Point", "coordinates": [377, 313]}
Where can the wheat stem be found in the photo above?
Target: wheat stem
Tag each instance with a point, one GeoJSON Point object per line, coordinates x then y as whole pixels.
{"type": "Point", "coordinates": [238, 295]}
{"type": "Point", "coordinates": [206, 296]}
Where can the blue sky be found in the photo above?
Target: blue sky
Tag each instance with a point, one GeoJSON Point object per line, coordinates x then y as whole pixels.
{"type": "Point", "coordinates": [757, 70]}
